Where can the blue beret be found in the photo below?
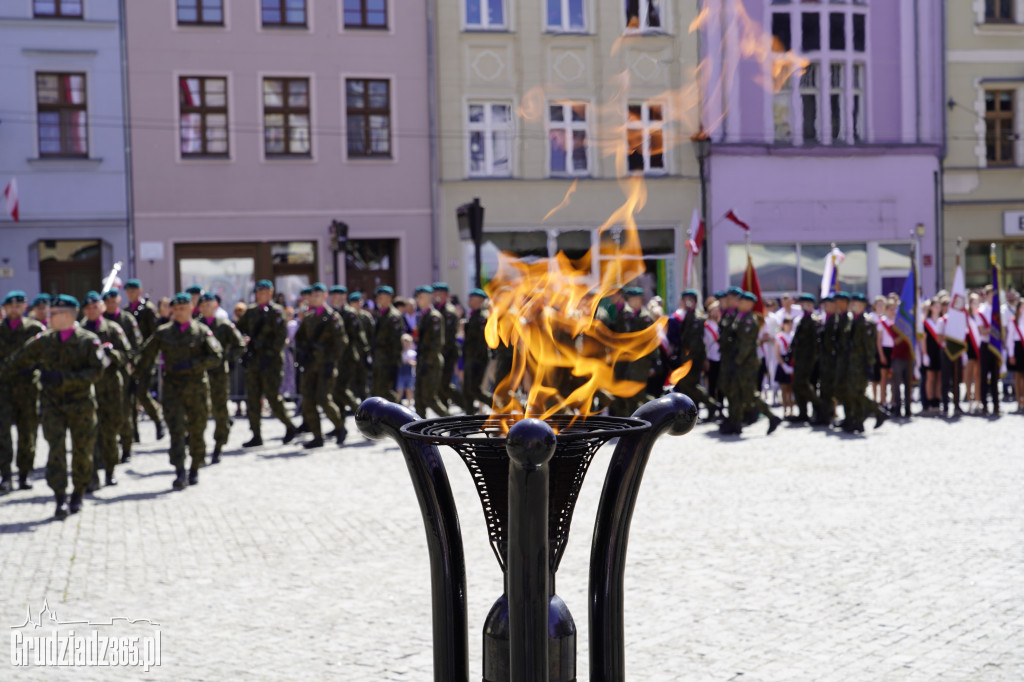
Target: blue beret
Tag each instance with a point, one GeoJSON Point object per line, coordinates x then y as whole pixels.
{"type": "Point", "coordinates": [385, 289]}
{"type": "Point", "coordinates": [807, 297]}
{"type": "Point", "coordinates": [318, 286]}
{"type": "Point", "coordinates": [264, 284]}
{"type": "Point", "coordinates": [91, 297]}
{"type": "Point", "coordinates": [423, 290]}
{"type": "Point", "coordinates": [336, 289]}
{"type": "Point", "coordinates": [42, 299]}
{"type": "Point", "coordinates": [842, 295]}
{"type": "Point", "coordinates": [690, 292]}
{"type": "Point", "coordinates": [734, 291]}
{"type": "Point", "coordinates": [181, 298]}
{"type": "Point", "coordinates": [194, 289]}
{"type": "Point", "coordinates": [633, 291]}
{"type": "Point", "coordinates": [478, 292]}
{"type": "Point", "coordinates": [355, 296]}
{"type": "Point", "coordinates": [111, 293]}
{"type": "Point", "coordinates": [15, 296]}
{"type": "Point", "coordinates": [859, 297]}
{"type": "Point", "coordinates": [441, 286]}
{"type": "Point", "coordinates": [64, 301]}
{"type": "Point", "coordinates": [206, 296]}
{"type": "Point", "coordinates": [133, 284]}
{"type": "Point", "coordinates": [747, 296]}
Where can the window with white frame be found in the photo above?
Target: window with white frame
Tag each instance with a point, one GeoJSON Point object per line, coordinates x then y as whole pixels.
{"type": "Point", "coordinates": [490, 138]}
{"type": "Point", "coordinates": [565, 15]}
{"type": "Point", "coordinates": [645, 138]}
{"type": "Point", "coordinates": [643, 14]}
{"type": "Point", "coordinates": [836, 97]}
{"type": "Point", "coordinates": [858, 103]}
{"type": "Point", "coordinates": [782, 104]}
{"type": "Point", "coordinates": [567, 138]}
{"type": "Point", "coordinates": [485, 14]}
{"type": "Point", "coordinates": [809, 97]}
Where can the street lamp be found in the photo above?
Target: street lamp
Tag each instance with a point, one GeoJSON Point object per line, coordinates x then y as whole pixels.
{"type": "Point", "coordinates": [338, 234]}
{"type": "Point", "coordinates": [702, 149]}
{"type": "Point", "coordinates": [470, 218]}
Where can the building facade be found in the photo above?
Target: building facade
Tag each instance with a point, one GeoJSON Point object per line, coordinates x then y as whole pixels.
{"type": "Point", "coordinates": [830, 131]}
{"type": "Point", "coordinates": [984, 170]}
{"type": "Point", "coordinates": [553, 103]}
{"type": "Point", "coordinates": [62, 138]}
{"type": "Point", "coordinates": [257, 124]}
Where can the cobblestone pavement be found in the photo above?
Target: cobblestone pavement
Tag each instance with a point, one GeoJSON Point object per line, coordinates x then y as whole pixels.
{"type": "Point", "coordinates": [806, 555]}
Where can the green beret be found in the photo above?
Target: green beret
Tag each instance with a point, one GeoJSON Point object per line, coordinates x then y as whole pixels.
{"type": "Point", "coordinates": [305, 291]}
{"type": "Point", "coordinates": [264, 284]}
{"type": "Point", "coordinates": [747, 296]}
{"type": "Point", "coordinates": [440, 286]}
{"type": "Point", "coordinates": [337, 289]}
{"type": "Point", "coordinates": [91, 297]}
{"type": "Point", "coordinates": [15, 296]}
{"type": "Point", "coordinates": [195, 290]}
{"type": "Point", "coordinates": [64, 301]}
{"type": "Point", "coordinates": [111, 293]}
{"type": "Point", "coordinates": [690, 292]}
{"type": "Point", "coordinates": [318, 286]}
{"type": "Point", "coordinates": [734, 291]}
{"type": "Point", "coordinates": [385, 289]}
{"type": "Point", "coordinates": [181, 298]}
{"type": "Point", "coordinates": [206, 296]}
{"type": "Point", "coordinates": [355, 296]}
{"type": "Point", "coordinates": [133, 284]}
{"type": "Point", "coordinates": [633, 291]}
{"type": "Point", "coordinates": [720, 294]}
{"type": "Point", "coordinates": [42, 299]}
{"type": "Point", "coordinates": [842, 295]}
{"type": "Point", "coordinates": [859, 297]}
{"type": "Point", "coordinates": [478, 292]}
{"type": "Point", "coordinates": [831, 298]}
{"type": "Point", "coordinates": [423, 290]}
{"type": "Point", "coordinates": [807, 297]}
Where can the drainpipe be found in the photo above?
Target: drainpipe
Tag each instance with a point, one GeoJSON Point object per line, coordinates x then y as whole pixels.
{"type": "Point", "coordinates": [940, 224]}
{"type": "Point", "coordinates": [435, 189]}
{"type": "Point", "coordinates": [129, 188]}
{"type": "Point", "coordinates": [917, 66]}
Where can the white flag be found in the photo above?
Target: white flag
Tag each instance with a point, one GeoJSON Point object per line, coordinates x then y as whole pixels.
{"type": "Point", "coordinates": [956, 317]}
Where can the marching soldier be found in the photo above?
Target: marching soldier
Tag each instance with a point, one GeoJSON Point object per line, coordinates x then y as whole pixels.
{"type": "Point", "coordinates": [112, 303]}
{"type": "Point", "coordinates": [430, 350]}
{"type": "Point", "coordinates": [475, 353]}
{"type": "Point", "coordinates": [361, 371]}
{"type": "Point", "coordinates": [686, 340]}
{"type": "Point", "coordinates": [863, 349]}
{"type": "Point", "coordinates": [805, 355]}
{"type": "Point", "coordinates": [232, 345]}
{"type": "Point", "coordinates": [264, 326]}
{"type": "Point", "coordinates": [633, 317]}
{"type": "Point", "coordinates": [449, 394]}
{"type": "Point", "coordinates": [19, 394]}
{"type": "Point", "coordinates": [40, 309]}
{"type": "Point", "coordinates": [194, 292]}
{"type": "Point", "coordinates": [827, 362]}
{"type": "Point", "coordinates": [190, 351]}
{"type": "Point", "coordinates": [746, 327]}
{"type": "Point", "coordinates": [70, 360]}
{"type": "Point", "coordinates": [352, 355]}
{"type": "Point", "coordinates": [387, 345]}
{"type": "Point", "coordinates": [146, 318]}
{"type": "Point", "coordinates": [727, 342]}
{"type": "Point", "coordinates": [319, 342]}
{"type": "Point", "coordinates": [110, 412]}
{"type": "Point", "coordinates": [842, 346]}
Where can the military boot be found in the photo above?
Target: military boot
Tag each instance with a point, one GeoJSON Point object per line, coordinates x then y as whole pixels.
{"type": "Point", "coordinates": [289, 434]}
{"type": "Point", "coordinates": [23, 483]}
{"type": "Point", "coordinates": [111, 480]}
{"type": "Point", "coordinates": [94, 484]}
{"type": "Point", "coordinates": [193, 477]}
{"type": "Point", "coordinates": [62, 509]}
{"type": "Point", "coordinates": [253, 442]}
{"type": "Point", "coordinates": [126, 454]}
{"type": "Point", "coordinates": [317, 442]}
{"type": "Point", "coordinates": [5, 484]}
{"type": "Point", "coordinates": [773, 423]}
{"type": "Point", "coordinates": [76, 502]}
{"type": "Point", "coordinates": [342, 434]}
{"type": "Point", "coordinates": [180, 481]}
{"type": "Point", "coordinates": [215, 459]}
{"type": "Point", "coordinates": [159, 429]}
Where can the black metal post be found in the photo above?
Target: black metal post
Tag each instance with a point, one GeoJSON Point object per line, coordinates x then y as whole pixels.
{"type": "Point", "coordinates": [676, 414]}
{"type": "Point", "coordinates": [378, 418]}
{"type": "Point", "coordinates": [530, 446]}
{"type": "Point", "coordinates": [703, 147]}
{"type": "Point", "coordinates": [478, 258]}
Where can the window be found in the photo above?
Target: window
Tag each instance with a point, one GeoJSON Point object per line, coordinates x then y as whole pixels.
{"type": "Point", "coordinates": [837, 31]}
{"type": "Point", "coordinates": [366, 13]}
{"type": "Point", "coordinates": [810, 24]}
{"type": "Point", "coordinates": [490, 139]}
{"type": "Point", "coordinates": [859, 32]}
{"type": "Point", "coordinates": [782, 37]}
{"type": "Point", "coordinates": [781, 106]}
{"type": "Point", "coordinates": [836, 97]}
{"type": "Point", "coordinates": [486, 14]}
{"type": "Point", "coordinates": [65, 9]}
{"type": "Point", "coordinates": [999, 11]}
{"type": "Point", "coordinates": [643, 14]}
{"type": "Point", "coordinates": [203, 105]}
{"type": "Point", "coordinates": [283, 12]}
{"type": "Point", "coordinates": [858, 103]}
{"type": "Point", "coordinates": [645, 139]}
{"type": "Point", "coordinates": [286, 121]}
{"type": "Point", "coordinates": [999, 137]}
{"type": "Point", "coordinates": [809, 102]}
{"type": "Point", "coordinates": [368, 104]}
{"type": "Point", "coordinates": [201, 12]}
{"type": "Point", "coordinates": [567, 138]}
{"type": "Point", "coordinates": [61, 114]}
{"type": "Point", "coordinates": [565, 15]}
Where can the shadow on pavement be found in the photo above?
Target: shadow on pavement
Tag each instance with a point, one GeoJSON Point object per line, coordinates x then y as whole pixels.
{"type": "Point", "coordinates": [26, 526]}
{"type": "Point", "coordinates": [127, 497]}
{"type": "Point", "coordinates": [7, 499]}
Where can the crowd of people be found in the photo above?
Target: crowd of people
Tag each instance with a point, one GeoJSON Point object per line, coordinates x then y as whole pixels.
{"type": "Point", "coordinates": [89, 367]}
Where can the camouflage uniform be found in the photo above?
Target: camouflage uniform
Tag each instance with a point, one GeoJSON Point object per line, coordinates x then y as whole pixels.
{"type": "Point", "coordinates": [128, 400]}
{"type": "Point", "coordinates": [827, 368]}
{"type": "Point", "coordinates": [430, 362]}
{"type": "Point", "coordinates": [685, 334]}
{"type": "Point", "coordinates": [232, 345]}
{"type": "Point", "coordinates": [387, 353]}
{"type": "Point", "coordinates": [68, 370]}
{"type": "Point", "coordinates": [351, 358]}
{"type": "Point", "coordinates": [188, 354]}
{"type": "Point", "coordinates": [145, 316]}
{"type": "Point", "coordinates": [626, 322]}
{"type": "Point", "coordinates": [448, 393]}
{"type": "Point", "coordinates": [109, 392]}
{"type": "Point", "coordinates": [727, 347]}
{"type": "Point", "coordinates": [264, 364]}
{"type": "Point", "coordinates": [319, 342]}
{"type": "Point", "coordinates": [863, 350]}
{"type": "Point", "coordinates": [361, 372]}
{"type": "Point", "coordinates": [744, 329]}
{"type": "Point", "coordinates": [842, 360]}
{"type": "Point", "coordinates": [19, 400]}
{"type": "Point", "coordinates": [475, 356]}
{"type": "Point", "coordinates": [805, 355]}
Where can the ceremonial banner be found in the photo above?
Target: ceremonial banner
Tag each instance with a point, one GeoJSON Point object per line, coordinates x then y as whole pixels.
{"type": "Point", "coordinates": [956, 317]}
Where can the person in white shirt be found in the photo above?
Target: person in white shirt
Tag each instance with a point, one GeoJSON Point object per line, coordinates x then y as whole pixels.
{"type": "Point", "coordinates": [714, 350]}
{"type": "Point", "coordinates": [932, 357]}
{"type": "Point", "coordinates": [989, 363]}
{"type": "Point", "coordinates": [886, 341]}
{"type": "Point", "coordinates": [784, 364]}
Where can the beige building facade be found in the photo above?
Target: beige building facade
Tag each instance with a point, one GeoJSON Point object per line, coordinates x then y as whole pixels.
{"type": "Point", "coordinates": [543, 103]}
{"type": "Point", "coordinates": [983, 178]}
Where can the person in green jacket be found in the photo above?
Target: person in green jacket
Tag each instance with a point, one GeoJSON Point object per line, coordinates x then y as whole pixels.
{"type": "Point", "coordinates": [863, 349]}
{"type": "Point", "coordinates": [634, 317]}
{"type": "Point", "coordinates": [449, 393]}
{"type": "Point", "coordinates": [319, 342]}
{"type": "Point", "coordinates": [146, 317]}
{"type": "Point", "coordinates": [387, 345]}
{"type": "Point", "coordinates": [805, 356]}
{"type": "Point", "coordinates": [232, 345]}
{"type": "Point", "coordinates": [19, 394]}
{"type": "Point", "coordinates": [475, 353]}
{"type": "Point", "coordinates": [430, 355]}
{"type": "Point", "coordinates": [353, 355]}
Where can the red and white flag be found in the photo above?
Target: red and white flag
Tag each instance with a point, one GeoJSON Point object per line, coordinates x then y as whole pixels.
{"type": "Point", "coordinates": [732, 216]}
{"type": "Point", "coordinates": [693, 246]}
{"type": "Point", "coordinates": [11, 198]}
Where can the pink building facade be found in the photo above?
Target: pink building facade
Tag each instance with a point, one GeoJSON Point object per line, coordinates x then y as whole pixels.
{"type": "Point", "coordinates": [256, 125]}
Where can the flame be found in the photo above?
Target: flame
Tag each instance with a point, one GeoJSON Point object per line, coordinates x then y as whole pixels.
{"type": "Point", "coordinates": [679, 372]}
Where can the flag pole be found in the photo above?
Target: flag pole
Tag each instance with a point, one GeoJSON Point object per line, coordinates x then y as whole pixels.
{"type": "Point", "coordinates": [959, 246]}
{"type": "Point", "coordinates": [835, 265]}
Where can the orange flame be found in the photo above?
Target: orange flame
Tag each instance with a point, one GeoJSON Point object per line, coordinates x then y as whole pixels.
{"type": "Point", "coordinates": [679, 372]}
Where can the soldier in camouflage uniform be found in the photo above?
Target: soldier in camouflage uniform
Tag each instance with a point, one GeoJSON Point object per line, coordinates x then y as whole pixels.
{"type": "Point", "coordinates": [685, 333]}
{"type": "Point", "coordinates": [70, 360]}
{"type": "Point", "coordinates": [40, 309]}
{"type": "Point", "coordinates": [361, 372]}
{"type": "Point", "coordinates": [232, 345]}
{"type": "Point", "coordinates": [863, 349]}
{"type": "Point", "coordinates": [449, 394]}
{"type": "Point", "coordinates": [727, 346]}
{"type": "Point", "coordinates": [319, 342]}
{"type": "Point", "coordinates": [805, 356]}
{"type": "Point", "coordinates": [110, 413]}
{"type": "Point", "coordinates": [827, 362]}
{"type": "Point", "coordinates": [746, 328]}
{"type": "Point", "coordinates": [112, 303]}
{"type": "Point", "coordinates": [19, 394]}
{"type": "Point", "coordinates": [146, 317]}
{"type": "Point", "coordinates": [430, 360]}
{"type": "Point", "coordinates": [387, 345]}
{"type": "Point", "coordinates": [634, 317]}
{"type": "Point", "coordinates": [190, 351]}
{"type": "Point", "coordinates": [475, 353]}
{"type": "Point", "coordinates": [264, 327]}
{"type": "Point", "coordinates": [842, 346]}
{"type": "Point", "coordinates": [352, 355]}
